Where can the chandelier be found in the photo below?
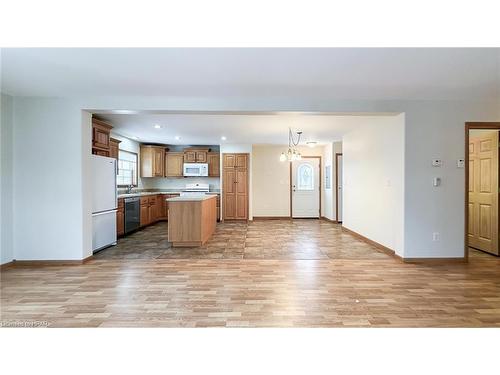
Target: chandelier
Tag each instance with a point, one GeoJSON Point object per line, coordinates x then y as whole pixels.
{"type": "Point", "coordinates": [292, 153]}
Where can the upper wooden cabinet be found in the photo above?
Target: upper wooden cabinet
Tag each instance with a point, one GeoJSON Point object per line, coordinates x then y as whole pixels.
{"type": "Point", "coordinates": [114, 147]}
{"type": "Point", "coordinates": [101, 137]}
{"type": "Point", "coordinates": [174, 164]}
{"type": "Point", "coordinates": [195, 155]}
{"type": "Point", "coordinates": [235, 160]}
{"type": "Point", "coordinates": [213, 159]}
{"type": "Point", "coordinates": [152, 161]}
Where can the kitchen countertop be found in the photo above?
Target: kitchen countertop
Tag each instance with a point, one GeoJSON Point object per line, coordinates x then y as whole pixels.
{"type": "Point", "coordinates": [146, 193]}
{"type": "Point", "coordinates": [191, 198]}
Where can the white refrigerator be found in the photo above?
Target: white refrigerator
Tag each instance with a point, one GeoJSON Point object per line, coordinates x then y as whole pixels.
{"type": "Point", "coordinates": [104, 202]}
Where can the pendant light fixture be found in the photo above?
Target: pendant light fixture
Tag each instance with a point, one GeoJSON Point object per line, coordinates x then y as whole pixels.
{"type": "Point", "coordinates": [292, 153]}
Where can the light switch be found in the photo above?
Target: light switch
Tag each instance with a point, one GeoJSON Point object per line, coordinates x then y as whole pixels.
{"type": "Point", "coordinates": [436, 181]}
{"type": "Point", "coordinates": [437, 162]}
{"type": "Point", "coordinates": [461, 163]}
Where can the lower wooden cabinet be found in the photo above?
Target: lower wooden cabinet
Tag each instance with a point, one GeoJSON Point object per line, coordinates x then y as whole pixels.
{"type": "Point", "coordinates": [145, 218]}
{"type": "Point", "coordinates": [120, 218]}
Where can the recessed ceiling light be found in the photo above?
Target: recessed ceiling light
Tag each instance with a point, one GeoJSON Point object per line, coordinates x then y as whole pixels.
{"type": "Point", "coordinates": [157, 126]}
{"type": "Point", "coordinates": [223, 138]}
{"type": "Point", "coordinates": [177, 138]}
{"type": "Point", "coordinates": [311, 144]}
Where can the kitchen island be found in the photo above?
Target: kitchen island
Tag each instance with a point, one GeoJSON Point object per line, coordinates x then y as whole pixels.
{"type": "Point", "coordinates": [191, 219]}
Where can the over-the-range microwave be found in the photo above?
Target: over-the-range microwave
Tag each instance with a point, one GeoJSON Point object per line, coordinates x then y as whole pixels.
{"type": "Point", "coordinates": [195, 169]}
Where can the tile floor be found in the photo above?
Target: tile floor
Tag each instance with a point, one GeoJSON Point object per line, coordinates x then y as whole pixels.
{"type": "Point", "coordinates": [262, 239]}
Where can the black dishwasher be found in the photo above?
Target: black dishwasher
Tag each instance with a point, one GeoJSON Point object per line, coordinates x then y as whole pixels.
{"type": "Point", "coordinates": [132, 214]}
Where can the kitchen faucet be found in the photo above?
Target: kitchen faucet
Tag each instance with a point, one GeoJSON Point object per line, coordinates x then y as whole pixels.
{"type": "Point", "coordinates": [129, 189]}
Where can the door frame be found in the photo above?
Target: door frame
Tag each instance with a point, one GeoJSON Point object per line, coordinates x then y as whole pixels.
{"type": "Point", "coordinates": [320, 185]}
{"type": "Point", "coordinates": [337, 154]}
{"type": "Point", "coordinates": [470, 126]}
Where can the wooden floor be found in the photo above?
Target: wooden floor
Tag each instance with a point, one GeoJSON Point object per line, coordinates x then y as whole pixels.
{"type": "Point", "coordinates": [376, 291]}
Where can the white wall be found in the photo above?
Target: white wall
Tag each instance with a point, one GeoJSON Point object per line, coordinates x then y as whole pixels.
{"type": "Point", "coordinates": [47, 132]}
{"type": "Point", "coordinates": [6, 176]}
{"type": "Point", "coordinates": [48, 185]}
{"type": "Point", "coordinates": [271, 182]}
{"type": "Point", "coordinates": [373, 181]}
{"type": "Point", "coordinates": [229, 148]}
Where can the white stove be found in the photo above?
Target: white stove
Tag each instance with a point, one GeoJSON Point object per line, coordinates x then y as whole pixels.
{"type": "Point", "coordinates": [195, 189]}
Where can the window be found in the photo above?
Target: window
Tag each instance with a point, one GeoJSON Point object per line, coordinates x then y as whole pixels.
{"type": "Point", "coordinates": [127, 168]}
{"type": "Point", "coordinates": [305, 177]}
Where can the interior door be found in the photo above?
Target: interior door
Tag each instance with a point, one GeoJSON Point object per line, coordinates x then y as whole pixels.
{"type": "Point", "coordinates": [339, 188]}
{"type": "Point", "coordinates": [483, 191]}
{"type": "Point", "coordinates": [305, 188]}
{"type": "Point", "coordinates": [241, 193]}
{"type": "Point", "coordinates": [230, 193]}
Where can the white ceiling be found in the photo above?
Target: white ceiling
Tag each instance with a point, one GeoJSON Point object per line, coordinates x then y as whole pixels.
{"type": "Point", "coordinates": [349, 73]}
{"type": "Point", "coordinates": [207, 129]}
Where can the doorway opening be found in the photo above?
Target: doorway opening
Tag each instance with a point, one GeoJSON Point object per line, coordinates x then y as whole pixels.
{"type": "Point", "coordinates": [305, 188]}
{"type": "Point", "coordinates": [482, 171]}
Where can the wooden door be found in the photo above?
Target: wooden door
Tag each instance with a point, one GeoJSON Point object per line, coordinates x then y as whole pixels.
{"type": "Point", "coordinates": [235, 186]}
{"type": "Point", "coordinates": [158, 162]}
{"type": "Point", "coordinates": [189, 156]}
{"type": "Point", "coordinates": [153, 214]}
{"type": "Point", "coordinates": [241, 193]}
{"type": "Point", "coordinates": [213, 160]}
{"type": "Point", "coordinates": [201, 156]}
{"type": "Point", "coordinates": [120, 218]}
{"type": "Point", "coordinates": [100, 134]}
{"type": "Point", "coordinates": [229, 160]}
{"type": "Point", "coordinates": [114, 148]}
{"type": "Point", "coordinates": [229, 187]}
{"type": "Point", "coordinates": [174, 164]}
{"type": "Point", "coordinates": [241, 160]}
{"type": "Point", "coordinates": [483, 191]}
{"type": "Point", "coordinates": [144, 215]}
{"type": "Point", "coordinates": [145, 219]}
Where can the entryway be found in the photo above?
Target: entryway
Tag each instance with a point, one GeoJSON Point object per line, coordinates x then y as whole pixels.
{"type": "Point", "coordinates": [482, 181]}
{"type": "Point", "coordinates": [305, 187]}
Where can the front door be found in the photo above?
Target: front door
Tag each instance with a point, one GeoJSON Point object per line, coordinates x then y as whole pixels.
{"type": "Point", "coordinates": [305, 188]}
{"type": "Point", "coordinates": [483, 191]}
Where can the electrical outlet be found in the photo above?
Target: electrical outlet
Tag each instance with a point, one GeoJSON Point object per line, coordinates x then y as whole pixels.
{"type": "Point", "coordinates": [435, 236]}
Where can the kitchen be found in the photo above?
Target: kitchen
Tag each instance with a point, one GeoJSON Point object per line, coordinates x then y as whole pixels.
{"type": "Point", "coordinates": [136, 183]}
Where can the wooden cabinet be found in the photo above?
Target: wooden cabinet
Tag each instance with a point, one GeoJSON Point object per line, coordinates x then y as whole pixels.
{"type": "Point", "coordinates": [114, 148]}
{"type": "Point", "coordinates": [189, 157]}
{"type": "Point", "coordinates": [154, 212]}
{"type": "Point", "coordinates": [120, 218]}
{"type": "Point", "coordinates": [213, 159]}
{"type": "Point", "coordinates": [191, 223]}
{"type": "Point", "coordinates": [101, 136]}
{"type": "Point", "coordinates": [165, 204]}
{"type": "Point", "coordinates": [145, 218]}
{"type": "Point", "coordinates": [152, 209]}
{"type": "Point", "coordinates": [235, 186]}
{"type": "Point", "coordinates": [195, 155]}
{"type": "Point", "coordinates": [218, 205]}
{"type": "Point", "coordinates": [174, 164]}
{"type": "Point", "coordinates": [152, 161]}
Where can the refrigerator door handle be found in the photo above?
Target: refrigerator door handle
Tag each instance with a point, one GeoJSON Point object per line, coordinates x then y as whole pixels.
{"type": "Point", "coordinates": [104, 212]}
